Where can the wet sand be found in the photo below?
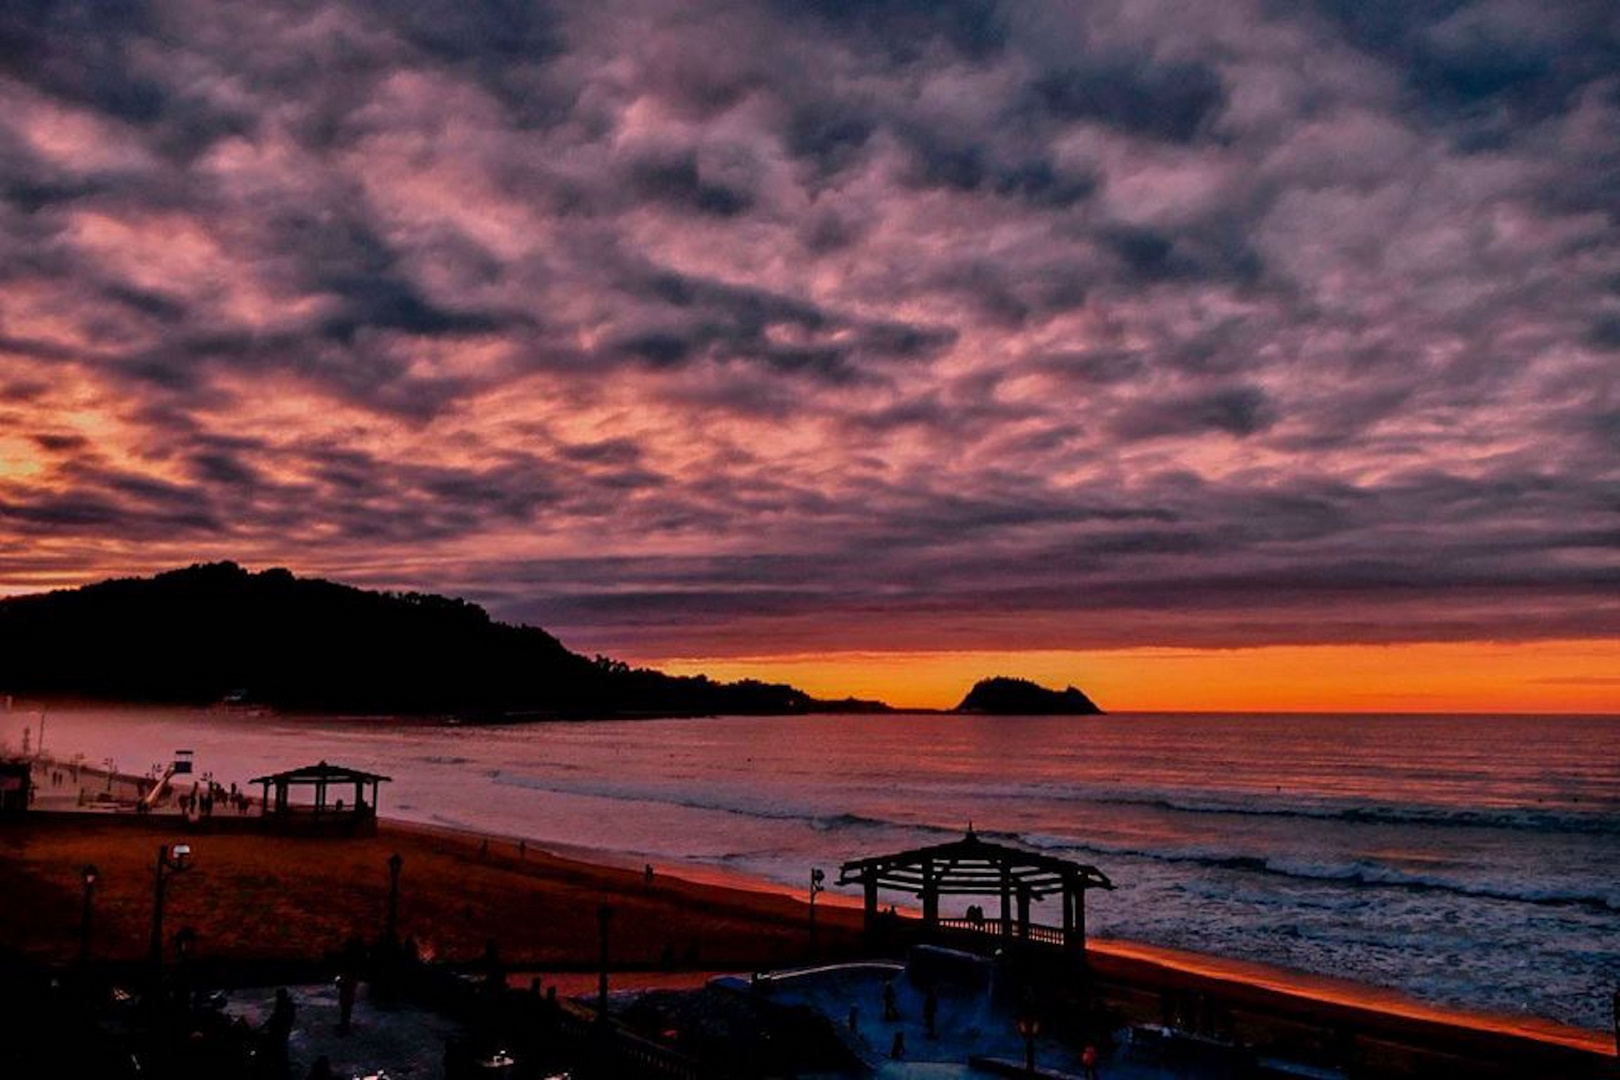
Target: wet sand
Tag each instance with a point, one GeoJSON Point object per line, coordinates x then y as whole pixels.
{"type": "Point", "coordinates": [1386, 1033]}
{"type": "Point", "coordinates": [1343, 993]}
{"type": "Point", "coordinates": [252, 896]}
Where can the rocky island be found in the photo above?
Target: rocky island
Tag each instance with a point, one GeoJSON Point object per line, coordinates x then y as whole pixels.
{"type": "Point", "coordinates": [1002, 696]}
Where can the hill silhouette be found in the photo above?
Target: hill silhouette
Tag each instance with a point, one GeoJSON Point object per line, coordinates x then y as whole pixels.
{"type": "Point", "coordinates": [216, 631]}
{"type": "Point", "coordinates": [1002, 696]}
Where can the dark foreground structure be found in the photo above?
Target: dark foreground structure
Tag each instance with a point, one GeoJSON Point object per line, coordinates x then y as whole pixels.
{"type": "Point", "coordinates": [15, 788]}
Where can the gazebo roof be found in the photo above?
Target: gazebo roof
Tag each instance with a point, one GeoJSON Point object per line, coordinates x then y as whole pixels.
{"type": "Point", "coordinates": [974, 867]}
{"type": "Point", "coordinates": [321, 773]}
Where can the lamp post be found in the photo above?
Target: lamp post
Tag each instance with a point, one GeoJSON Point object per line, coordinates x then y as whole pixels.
{"type": "Point", "coordinates": [604, 915]}
{"type": "Point", "coordinates": [1029, 1026]}
{"type": "Point", "coordinates": [88, 877]}
{"type": "Point", "coordinates": [170, 861]}
{"type": "Point", "coordinates": [391, 925]}
{"type": "Point", "coordinates": [817, 876]}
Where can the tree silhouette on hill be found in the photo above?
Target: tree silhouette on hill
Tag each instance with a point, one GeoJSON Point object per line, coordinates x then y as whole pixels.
{"type": "Point", "coordinates": [216, 631]}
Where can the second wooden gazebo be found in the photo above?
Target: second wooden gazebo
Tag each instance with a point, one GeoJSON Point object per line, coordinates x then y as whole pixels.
{"type": "Point", "coordinates": [975, 867]}
{"type": "Point", "coordinates": [321, 777]}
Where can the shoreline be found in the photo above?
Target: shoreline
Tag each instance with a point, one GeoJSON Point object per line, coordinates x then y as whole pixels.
{"type": "Point", "coordinates": [1330, 991]}
{"type": "Point", "coordinates": [1293, 982]}
{"type": "Point", "coordinates": [1348, 993]}
{"type": "Point", "coordinates": [256, 898]}
{"type": "Point", "coordinates": [1249, 975]}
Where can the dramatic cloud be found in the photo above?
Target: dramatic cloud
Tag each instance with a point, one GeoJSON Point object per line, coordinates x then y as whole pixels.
{"type": "Point", "coordinates": [706, 329]}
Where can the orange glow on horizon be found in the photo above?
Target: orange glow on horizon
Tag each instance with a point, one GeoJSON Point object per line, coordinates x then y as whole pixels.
{"type": "Point", "coordinates": [1470, 677]}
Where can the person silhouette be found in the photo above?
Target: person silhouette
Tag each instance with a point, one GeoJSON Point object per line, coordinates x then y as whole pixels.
{"type": "Point", "coordinates": [345, 989]}
{"type": "Point", "coordinates": [279, 1027]}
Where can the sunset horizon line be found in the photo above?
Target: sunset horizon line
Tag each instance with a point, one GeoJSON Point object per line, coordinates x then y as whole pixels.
{"type": "Point", "coordinates": [1556, 676]}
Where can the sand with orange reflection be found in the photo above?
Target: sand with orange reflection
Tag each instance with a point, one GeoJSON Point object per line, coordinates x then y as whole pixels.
{"type": "Point", "coordinates": [253, 896]}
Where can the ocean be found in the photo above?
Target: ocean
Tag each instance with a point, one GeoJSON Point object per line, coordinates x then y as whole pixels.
{"type": "Point", "coordinates": [1468, 861]}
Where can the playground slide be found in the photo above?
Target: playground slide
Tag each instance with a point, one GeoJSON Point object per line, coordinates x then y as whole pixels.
{"type": "Point", "coordinates": [158, 789]}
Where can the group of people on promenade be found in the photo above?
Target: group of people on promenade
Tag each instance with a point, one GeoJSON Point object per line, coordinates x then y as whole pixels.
{"type": "Point", "coordinates": [205, 797]}
{"type": "Point", "coordinates": [200, 800]}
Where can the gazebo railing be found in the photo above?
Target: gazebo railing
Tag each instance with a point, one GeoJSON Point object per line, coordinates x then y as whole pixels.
{"type": "Point", "coordinates": [331, 809]}
{"type": "Point", "coordinates": [1038, 932]}
{"type": "Point", "coordinates": [992, 927]}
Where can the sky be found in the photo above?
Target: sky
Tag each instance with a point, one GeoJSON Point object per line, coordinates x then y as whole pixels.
{"type": "Point", "coordinates": [1232, 355]}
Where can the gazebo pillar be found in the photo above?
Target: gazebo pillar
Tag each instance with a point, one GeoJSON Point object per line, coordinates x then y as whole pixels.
{"type": "Point", "coordinates": [870, 889]}
{"type": "Point", "coordinates": [1023, 912]}
{"type": "Point", "coordinates": [1006, 902]}
{"type": "Point", "coordinates": [930, 897]}
{"type": "Point", "coordinates": [1068, 911]}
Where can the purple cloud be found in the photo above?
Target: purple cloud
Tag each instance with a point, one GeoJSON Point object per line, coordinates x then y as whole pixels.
{"type": "Point", "coordinates": [720, 328]}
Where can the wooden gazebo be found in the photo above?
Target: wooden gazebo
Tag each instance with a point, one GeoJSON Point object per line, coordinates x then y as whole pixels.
{"type": "Point", "coordinates": [322, 777]}
{"type": "Point", "coordinates": [974, 867]}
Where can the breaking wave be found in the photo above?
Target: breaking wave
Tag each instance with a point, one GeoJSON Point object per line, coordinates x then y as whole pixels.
{"type": "Point", "coordinates": [1355, 872]}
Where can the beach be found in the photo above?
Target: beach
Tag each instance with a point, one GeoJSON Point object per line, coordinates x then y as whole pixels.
{"type": "Point", "coordinates": [1402, 886]}
{"type": "Point", "coordinates": [1464, 862]}
{"type": "Point", "coordinates": [263, 902]}
{"type": "Point", "coordinates": [254, 896]}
